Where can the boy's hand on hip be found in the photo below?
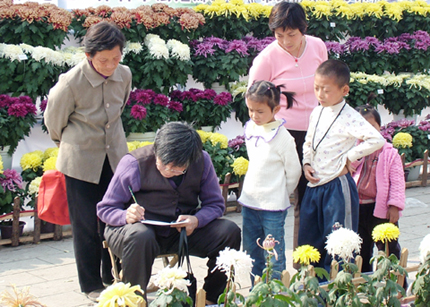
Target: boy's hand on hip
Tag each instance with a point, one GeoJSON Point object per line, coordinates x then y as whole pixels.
{"type": "Point", "coordinates": [310, 174]}
{"type": "Point", "coordinates": [393, 214]}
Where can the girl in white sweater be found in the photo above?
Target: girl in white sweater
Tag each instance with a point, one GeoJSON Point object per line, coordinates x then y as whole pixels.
{"type": "Point", "coordinates": [273, 173]}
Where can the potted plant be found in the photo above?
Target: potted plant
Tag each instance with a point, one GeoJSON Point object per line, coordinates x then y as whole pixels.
{"type": "Point", "coordinates": [34, 24]}
{"type": "Point", "coordinates": [203, 108]}
{"type": "Point", "coordinates": [10, 188]}
{"type": "Point", "coordinates": [147, 111]}
{"type": "Point", "coordinates": [219, 60]}
{"type": "Point", "coordinates": [408, 138]}
{"type": "Point", "coordinates": [17, 117]}
{"type": "Point", "coordinates": [238, 91]}
{"type": "Point", "coordinates": [168, 64]}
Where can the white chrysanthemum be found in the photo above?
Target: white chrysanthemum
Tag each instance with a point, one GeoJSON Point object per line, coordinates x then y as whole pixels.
{"type": "Point", "coordinates": [180, 51]}
{"type": "Point", "coordinates": [49, 55]}
{"type": "Point", "coordinates": [33, 188]}
{"type": "Point", "coordinates": [153, 39]}
{"type": "Point", "coordinates": [73, 59]}
{"type": "Point", "coordinates": [72, 49]}
{"type": "Point", "coordinates": [424, 248]}
{"type": "Point", "coordinates": [343, 243]}
{"type": "Point", "coordinates": [12, 52]}
{"type": "Point", "coordinates": [133, 47]}
{"type": "Point", "coordinates": [171, 278]}
{"type": "Point", "coordinates": [240, 261]}
{"type": "Point", "coordinates": [27, 48]}
{"type": "Point", "coordinates": [159, 51]}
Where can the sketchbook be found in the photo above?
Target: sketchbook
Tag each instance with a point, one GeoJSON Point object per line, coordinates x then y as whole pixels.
{"type": "Point", "coordinates": [160, 223]}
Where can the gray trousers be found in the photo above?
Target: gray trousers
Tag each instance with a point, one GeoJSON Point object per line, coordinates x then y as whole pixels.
{"type": "Point", "coordinates": [139, 244]}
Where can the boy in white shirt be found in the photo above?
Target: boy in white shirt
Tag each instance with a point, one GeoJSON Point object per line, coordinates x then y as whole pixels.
{"type": "Point", "coordinates": [329, 149]}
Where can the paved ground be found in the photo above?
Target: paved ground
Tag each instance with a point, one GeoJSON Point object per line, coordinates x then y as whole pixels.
{"type": "Point", "coordinates": [48, 268]}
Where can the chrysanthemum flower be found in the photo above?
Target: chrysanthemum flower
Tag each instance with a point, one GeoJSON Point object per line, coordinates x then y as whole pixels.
{"type": "Point", "coordinates": [269, 245]}
{"type": "Point", "coordinates": [385, 232]}
{"type": "Point", "coordinates": [424, 248]}
{"type": "Point", "coordinates": [402, 140]}
{"type": "Point", "coordinates": [31, 160]}
{"type": "Point", "coordinates": [1, 165]}
{"type": "Point", "coordinates": [216, 138]}
{"type": "Point", "coordinates": [49, 164]}
{"type": "Point", "coordinates": [172, 278]}
{"type": "Point", "coordinates": [120, 294]}
{"type": "Point", "coordinates": [204, 135]}
{"type": "Point", "coordinates": [239, 261]}
{"type": "Point", "coordinates": [306, 254]}
{"type": "Point", "coordinates": [50, 152]}
{"type": "Point", "coordinates": [132, 145]}
{"type": "Point", "coordinates": [33, 188]}
{"type": "Point", "coordinates": [240, 166]}
{"type": "Point", "coordinates": [343, 243]}
{"type": "Point", "coordinates": [143, 144]}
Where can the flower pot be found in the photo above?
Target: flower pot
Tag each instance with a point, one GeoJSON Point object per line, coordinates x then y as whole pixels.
{"type": "Point", "coordinates": [219, 88]}
{"type": "Point", "coordinates": [207, 128]}
{"type": "Point", "coordinates": [6, 230]}
{"type": "Point", "coordinates": [414, 173]}
{"type": "Point", "coordinates": [6, 158]}
{"type": "Point", "coordinates": [46, 227]}
{"type": "Point", "coordinates": [141, 137]}
{"type": "Point", "coordinates": [402, 116]}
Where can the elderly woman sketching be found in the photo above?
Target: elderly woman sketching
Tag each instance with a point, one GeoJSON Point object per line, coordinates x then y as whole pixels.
{"type": "Point", "coordinates": [83, 117]}
{"type": "Point", "coordinates": [292, 60]}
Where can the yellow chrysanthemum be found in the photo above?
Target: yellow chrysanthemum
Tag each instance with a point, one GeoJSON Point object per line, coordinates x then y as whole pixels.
{"type": "Point", "coordinates": [1, 165]}
{"type": "Point", "coordinates": [33, 188]}
{"type": "Point", "coordinates": [132, 145]}
{"type": "Point", "coordinates": [218, 138]}
{"type": "Point", "coordinates": [50, 152]}
{"type": "Point", "coordinates": [240, 166]}
{"type": "Point", "coordinates": [305, 254]}
{"type": "Point", "coordinates": [31, 160]}
{"type": "Point", "coordinates": [143, 144]}
{"type": "Point", "coordinates": [204, 135]}
{"type": "Point", "coordinates": [402, 140]}
{"type": "Point", "coordinates": [385, 232]}
{"type": "Point", "coordinates": [120, 294]}
{"type": "Point", "coordinates": [322, 9]}
{"type": "Point", "coordinates": [49, 164]}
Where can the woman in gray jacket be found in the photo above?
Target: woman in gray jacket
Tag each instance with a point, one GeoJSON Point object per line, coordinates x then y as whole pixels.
{"type": "Point", "coordinates": [83, 117]}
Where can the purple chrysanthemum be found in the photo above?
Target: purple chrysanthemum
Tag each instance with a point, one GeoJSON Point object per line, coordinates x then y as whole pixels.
{"type": "Point", "coordinates": [5, 101]}
{"type": "Point", "coordinates": [223, 99]}
{"type": "Point", "coordinates": [239, 46]}
{"type": "Point", "coordinates": [144, 96]}
{"type": "Point", "coordinates": [175, 105]}
{"type": "Point", "coordinates": [162, 100]}
{"type": "Point", "coordinates": [237, 142]}
{"type": "Point", "coordinates": [11, 181]}
{"type": "Point", "coordinates": [209, 93]}
{"type": "Point", "coordinates": [175, 94]}
{"type": "Point", "coordinates": [43, 105]}
{"type": "Point", "coordinates": [204, 49]}
{"type": "Point", "coordinates": [138, 112]}
{"type": "Point", "coordinates": [18, 110]}
{"type": "Point", "coordinates": [189, 95]}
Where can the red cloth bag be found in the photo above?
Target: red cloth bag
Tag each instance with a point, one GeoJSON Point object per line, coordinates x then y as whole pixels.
{"type": "Point", "coordinates": [52, 201]}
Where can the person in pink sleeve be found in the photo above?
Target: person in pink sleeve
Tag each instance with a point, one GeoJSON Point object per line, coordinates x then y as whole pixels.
{"type": "Point", "coordinates": [292, 59]}
{"type": "Point", "coordinates": [381, 190]}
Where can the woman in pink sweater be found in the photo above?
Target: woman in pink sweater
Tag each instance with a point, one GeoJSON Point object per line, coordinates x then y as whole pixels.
{"type": "Point", "coordinates": [381, 189]}
{"type": "Point", "coordinates": [292, 60]}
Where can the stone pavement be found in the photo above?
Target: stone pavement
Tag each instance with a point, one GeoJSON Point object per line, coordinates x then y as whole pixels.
{"type": "Point", "coordinates": [48, 268]}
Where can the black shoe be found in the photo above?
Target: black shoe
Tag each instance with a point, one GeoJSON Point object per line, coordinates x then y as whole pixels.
{"type": "Point", "coordinates": [94, 295]}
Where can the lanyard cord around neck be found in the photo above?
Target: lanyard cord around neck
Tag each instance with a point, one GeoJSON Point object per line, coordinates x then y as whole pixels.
{"type": "Point", "coordinates": [313, 139]}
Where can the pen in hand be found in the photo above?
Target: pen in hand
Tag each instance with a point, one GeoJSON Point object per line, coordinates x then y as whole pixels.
{"type": "Point", "coordinates": [136, 211]}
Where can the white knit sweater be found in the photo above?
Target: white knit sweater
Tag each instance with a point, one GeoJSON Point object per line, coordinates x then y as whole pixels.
{"type": "Point", "coordinates": [274, 168]}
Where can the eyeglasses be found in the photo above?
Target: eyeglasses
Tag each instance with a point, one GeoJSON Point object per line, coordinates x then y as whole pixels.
{"type": "Point", "coordinates": [168, 169]}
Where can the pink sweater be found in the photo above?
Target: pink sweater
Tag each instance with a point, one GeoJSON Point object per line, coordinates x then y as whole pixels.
{"type": "Point", "coordinates": [390, 181]}
{"type": "Point", "coordinates": [276, 65]}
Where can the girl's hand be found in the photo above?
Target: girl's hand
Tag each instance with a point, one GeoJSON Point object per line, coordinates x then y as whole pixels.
{"type": "Point", "coordinates": [393, 214]}
{"type": "Point", "coordinates": [310, 174]}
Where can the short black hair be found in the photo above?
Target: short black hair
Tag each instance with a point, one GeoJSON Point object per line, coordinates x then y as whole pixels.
{"type": "Point", "coordinates": [335, 69]}
{"type": "Point", "coordinates": [177, 143]}
{"type": "Point", "coordinates": [288, 15]}
{"type": "Point", "coordinates": [368, 110]}
{"type": "Point", "coordinates": [269, 93]}
{"type": "Point", "coordinates": [103, 36]}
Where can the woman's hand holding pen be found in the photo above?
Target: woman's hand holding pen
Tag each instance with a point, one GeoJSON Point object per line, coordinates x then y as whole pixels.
{"type": "Point", "coordinates": [191, 223]}
{"type": "Point", "coordinates": [135, 213]}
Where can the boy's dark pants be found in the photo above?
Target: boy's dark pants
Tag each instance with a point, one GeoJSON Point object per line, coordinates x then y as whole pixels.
{"type": "Point", "coordinates": [322, 207]}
